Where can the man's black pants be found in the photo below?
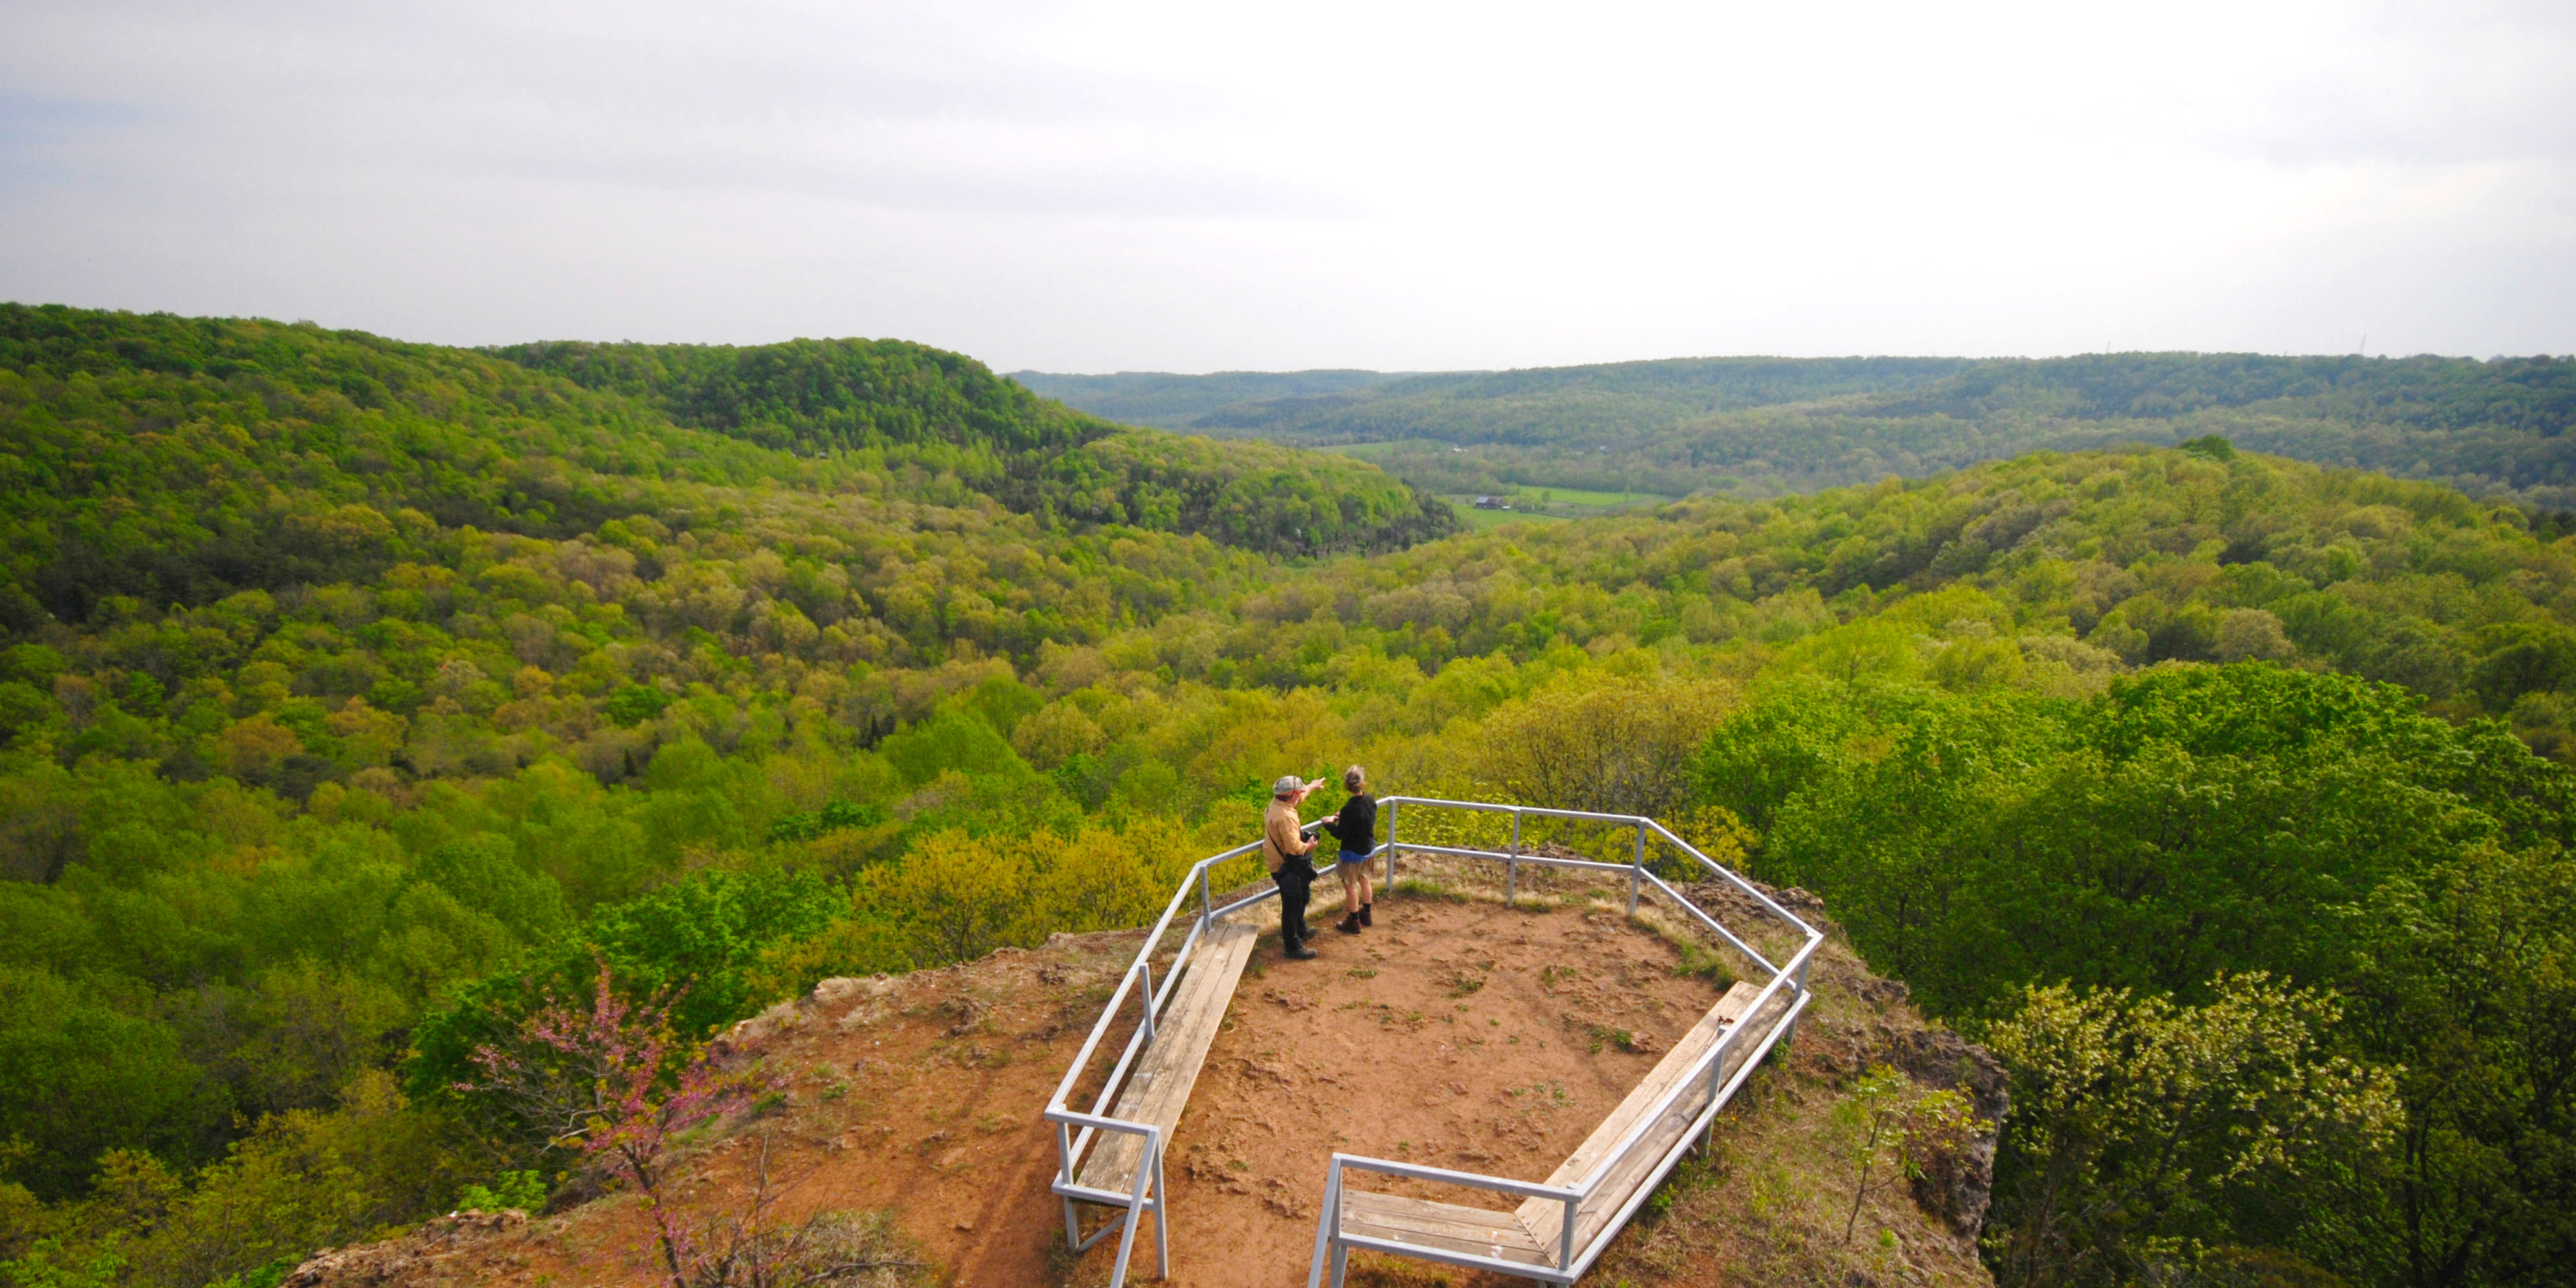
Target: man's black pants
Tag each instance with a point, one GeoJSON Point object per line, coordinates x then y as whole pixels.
{"type": "Point", "coordinates": [1296, 879]}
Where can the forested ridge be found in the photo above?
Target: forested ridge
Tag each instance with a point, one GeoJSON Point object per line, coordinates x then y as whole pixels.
{"type": "Point", "coordinates": [1763, 426]}
{"type": "Point", "coordinates": [360, 696]}
{"type": "Point", "coordinates": [1171, 401]}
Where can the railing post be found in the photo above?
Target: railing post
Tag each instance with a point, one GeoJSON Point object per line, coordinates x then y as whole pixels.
{"type": "Point", "coordinates": [1717, 1081]}
{"type": "Point", "coordinates": [1064, 1174]}
{"type": "Point", "coordinates": [1390, 844]}
{"type": "Point", "coordinates": [1145, 1173]}
{"type": "Point", "coordinates": [1512, 865]}
{"type": "Point", "coordinates": [1328, 1223]}
{"type": "Point", "coordinates": [1162, 1217]}
{"type": "Point", "coordinates": [1565, 1245]}
{"type": "Point", "coordinates": [1147, 996]}
{"type": "Point", "coordinates": [1792, 1034]}
{"type": "Point", "coordinates": [1207, 904]}
{"type": "Point", "coordinates": [1636, 871]}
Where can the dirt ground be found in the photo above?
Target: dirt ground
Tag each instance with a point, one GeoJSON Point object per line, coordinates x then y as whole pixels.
{"type": "Point", "coordinates": [1456, 1031]}
{"type": "Point", "coordinates": [1458, 1034]}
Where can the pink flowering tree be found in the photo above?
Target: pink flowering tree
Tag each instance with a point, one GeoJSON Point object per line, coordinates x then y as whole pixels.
{"type": "Point", "coordinates": [610, 1081]}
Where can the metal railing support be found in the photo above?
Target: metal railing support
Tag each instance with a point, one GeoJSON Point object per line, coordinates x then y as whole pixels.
{"type": "Point", "coordinates": [1147, 997]}
{"type": "Point", "coordinates": [1565, 1242]}
{"type": "Point", "coordinates": [1390, 844]}
{"type": "Point", "coordinates": [1162, 1227]}
{"type": "Point", "coordinates": [1146, 1170]}
{"type": "Point", "coordinates": [1803, 963]}
{"type": "Point", "coordinates": [1512, 865]}
{"type": "Point", "coordinates": [1637, 872]}
{"type": "Point", "coordinates": [1328, 1223]}
{"type": "Point", "coordinates": [1064, 1175]}
{"type": "Point", "coordinates": [1716, 1083]}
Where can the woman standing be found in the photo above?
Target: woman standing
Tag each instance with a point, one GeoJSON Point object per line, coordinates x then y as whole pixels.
{"type": "Point", "coordinates": [1355, 824]}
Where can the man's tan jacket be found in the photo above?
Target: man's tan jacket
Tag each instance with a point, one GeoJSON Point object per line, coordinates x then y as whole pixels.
{"type": "Point", "coordinates": [1280, 834]}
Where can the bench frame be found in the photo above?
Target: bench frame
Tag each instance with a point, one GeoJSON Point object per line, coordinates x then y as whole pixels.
{"type": "Point", "coordinates": [1076, 1131]}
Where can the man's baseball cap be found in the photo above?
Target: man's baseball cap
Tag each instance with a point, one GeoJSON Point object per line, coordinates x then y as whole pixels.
{"type": "Point", "coordinates": [1288, 785]}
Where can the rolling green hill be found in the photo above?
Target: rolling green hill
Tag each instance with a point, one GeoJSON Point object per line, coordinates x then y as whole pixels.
{"type": "Point", "coordinates": [176, 460]}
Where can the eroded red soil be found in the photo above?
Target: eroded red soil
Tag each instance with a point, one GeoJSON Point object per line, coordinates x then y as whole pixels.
{"type": "Point", "coordinates": [1460, 1033]}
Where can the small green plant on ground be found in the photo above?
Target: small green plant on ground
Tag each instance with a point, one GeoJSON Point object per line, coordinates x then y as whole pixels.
{"type": "Point", "coordinates": [1427, 888]}
{"type": "Point", "coordinates": [1541, 1092]}
{"type": "Point", "coordinates": [1597, 1036]}
{"type": "Point", "coordinates": [1886, 1127]}
{"type": "Point", "coordinates": [524, 1190]}
{"type": "Point", "coordinates": [1703, 963]}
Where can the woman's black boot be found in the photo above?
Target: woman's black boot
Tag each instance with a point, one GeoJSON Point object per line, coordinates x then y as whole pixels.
{"type": "Point", "coordinates": [1365, 918]}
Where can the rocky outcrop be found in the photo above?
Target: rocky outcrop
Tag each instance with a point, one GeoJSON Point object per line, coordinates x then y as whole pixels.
{"type": "Point", "coordinates": [413, 1258]}
{"type": "Point", "coordinates": [1957, 1185]}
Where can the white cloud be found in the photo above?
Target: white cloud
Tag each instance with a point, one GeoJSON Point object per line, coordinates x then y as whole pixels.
{"type": "Point", "coordinates": [1190, 186]}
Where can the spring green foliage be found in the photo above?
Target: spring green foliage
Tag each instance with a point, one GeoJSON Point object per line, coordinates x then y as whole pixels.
{"type": "Point", "coordinates": [2181, 822]}
{"type": "Point", "coordinates": [524, 1190]}
{"type": "Point", "coordinates": [2141, 844]}
{"type": "Point", "coordinates": [2139, 1118]}
{"type": "Point", "coordinates": [357, 696]}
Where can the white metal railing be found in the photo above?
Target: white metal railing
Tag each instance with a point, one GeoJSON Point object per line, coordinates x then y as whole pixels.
{"type": "Point", "coordinates": [1332, 1243]}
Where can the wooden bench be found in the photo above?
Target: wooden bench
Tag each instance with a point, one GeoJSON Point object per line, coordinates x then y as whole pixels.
{"type": "Point", "coordinates": [1545, 1218]}
{"type": "Point", "coordinates": [1158, 1088]}
{"type": "Point", "coordinates": [1532, 1235]}
{"type": "Point", "coordinates": [1446, 1226]}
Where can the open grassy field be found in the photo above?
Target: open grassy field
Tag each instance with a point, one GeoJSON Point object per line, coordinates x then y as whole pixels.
{"type": "Point", "coordinates": [1479, 520]}
{"type": "Point", "coordinates": [1552, 498]}
{"type": "Point", "coordinates": [1549, 504]}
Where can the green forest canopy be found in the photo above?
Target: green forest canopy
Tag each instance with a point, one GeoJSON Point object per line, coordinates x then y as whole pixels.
{"type": "Point", "coordinates": [355, 693]}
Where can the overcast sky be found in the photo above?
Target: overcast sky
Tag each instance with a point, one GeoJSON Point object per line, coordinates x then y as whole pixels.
{"type": "Point", "coordinates": [1196, 186]}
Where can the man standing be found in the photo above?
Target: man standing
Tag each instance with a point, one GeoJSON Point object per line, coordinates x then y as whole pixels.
{"type": "Point", "coordinates": [1284, 845]}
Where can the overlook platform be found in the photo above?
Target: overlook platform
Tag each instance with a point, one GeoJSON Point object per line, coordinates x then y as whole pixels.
{"type": "Point", "coordinates": [1430, 1071]}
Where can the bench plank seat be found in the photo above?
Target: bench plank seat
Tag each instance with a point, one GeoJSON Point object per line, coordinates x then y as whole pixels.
{"type": "Point", "coordinates": [1544, 1219]}
{"type": "Point", "coordinates": [1445, 1226]}
{"type": "Point", "coordinates": [1159, 1086]}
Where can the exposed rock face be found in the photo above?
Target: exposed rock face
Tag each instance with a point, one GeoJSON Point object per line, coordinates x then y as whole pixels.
{"type": "Point", "coordinates": [412, 1258]}
{"type": "Point", "coordinates": [1958, 1187]}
